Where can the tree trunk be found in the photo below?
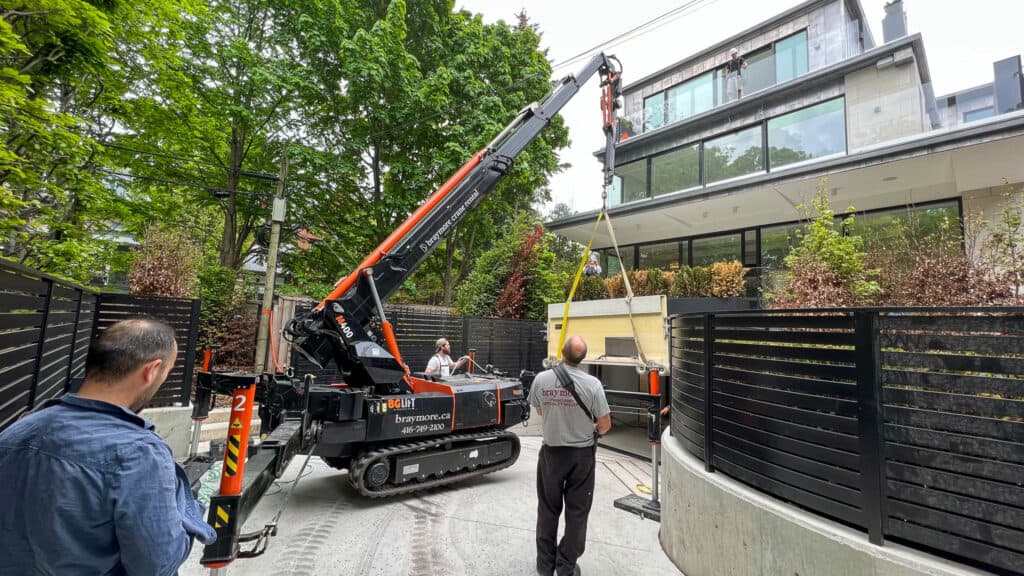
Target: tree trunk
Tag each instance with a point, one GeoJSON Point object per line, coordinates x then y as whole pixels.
{"type": "Point", "coordinates": [378, 205]}
{"type": "Point", "coordinates": [231, 245]}
{"type": "Point", "coordinates": [449, 260]}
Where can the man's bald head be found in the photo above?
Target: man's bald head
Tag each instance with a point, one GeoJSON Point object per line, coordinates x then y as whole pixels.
{"type": "Point", "coordinates": [574, 350]}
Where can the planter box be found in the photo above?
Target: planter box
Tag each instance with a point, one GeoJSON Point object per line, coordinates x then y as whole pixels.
{"type": "Point", "coordinates": [702, 305]}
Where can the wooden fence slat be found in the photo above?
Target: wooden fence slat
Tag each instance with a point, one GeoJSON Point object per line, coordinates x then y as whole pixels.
{"type": "Point", "coordinates": [955, 383]}
{"type": "Point", "coordinates": [957, 483]}
{"type": "Point", "coordinates": [824, 404]}
{"type": "Point", "coordinates": [956, 504]}
{"type": "Point", "coordinates": [814, 353]}
{"type": "Point", "coordinates": [954, 545]}
{"type": "Point", "coordinates": [20, 321]}
{"type": "Point", "coordinates": [980, 345]}
{"type": "Point", "coordinates": [973, 425]}
{"type": "Point", "coordinates": [809, 466]}
{"type": "Point", "coordinates": [809, 434]}
{"type": "Point", "coordinates": [815, 370]}
{"type": "Point", "coordinates": [788, 336]}
{"type": "Point", "coordinates": [796, 495]}
{"type": "Point", "coordinates": [959, 403]}
{"type": "Point", "coordinates": [23, 302]}
{"type": "Point", "coordinates": [957, 443]}
{"type": "Point", "coordinates": [786, 382]}
{"type": "Point", "coordinates": [797, 446]}
{"type": "Point", "coordinates": [958, 525]}
{"type": "Point", "coordinates": [953, 363]}
{"type": "Point", "coordinates": [757, 321]}
{"type": "Point", "coordinates": [953, 462]}
{"type": "Point", "coordinates": [954, 323]}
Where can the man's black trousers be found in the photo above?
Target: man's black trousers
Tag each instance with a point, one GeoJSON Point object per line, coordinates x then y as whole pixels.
{"type": "Point", "coordinates": [563, 474]}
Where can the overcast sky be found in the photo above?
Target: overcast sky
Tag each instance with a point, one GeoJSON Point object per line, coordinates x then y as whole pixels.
{"type": "Point", "coordinates": [962, 41]}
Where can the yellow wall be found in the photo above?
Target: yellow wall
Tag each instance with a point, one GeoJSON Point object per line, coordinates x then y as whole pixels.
{"type": "Point", "coordinates": [594, 329]}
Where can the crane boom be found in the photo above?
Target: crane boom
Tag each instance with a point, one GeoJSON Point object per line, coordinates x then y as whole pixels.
{"type": "Point", "coordinates": [339, 327]}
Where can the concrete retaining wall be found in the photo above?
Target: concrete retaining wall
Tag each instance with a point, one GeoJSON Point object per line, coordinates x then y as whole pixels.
{"type": "Point", "coordinates": [712, 525]}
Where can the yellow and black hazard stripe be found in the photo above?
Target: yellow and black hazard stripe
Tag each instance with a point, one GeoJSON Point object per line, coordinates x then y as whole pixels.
{"type": "Point", "coordinates": [231, 456]}
{"type": "Point", "coordinates": [222, 519]}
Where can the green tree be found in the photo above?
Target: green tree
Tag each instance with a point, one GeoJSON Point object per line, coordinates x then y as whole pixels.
{"type": "Point", "coordinates": [424, 89]}
{"type": "Point", "coordinates": [65, 67]}
{"type": "Point", "coordinates": [514, 278]}
{"type": "Point", "coordinates": [827, 265]}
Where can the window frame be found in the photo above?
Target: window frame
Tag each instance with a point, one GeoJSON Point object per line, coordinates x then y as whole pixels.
{"type": "Point", "coordinates": [846, 140]}
{"type": "Point", "coordinates": [762, 125]}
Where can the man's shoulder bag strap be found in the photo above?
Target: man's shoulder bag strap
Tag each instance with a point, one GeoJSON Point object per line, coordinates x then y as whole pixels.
{"type": "Point", "coordinates": [567, 382]}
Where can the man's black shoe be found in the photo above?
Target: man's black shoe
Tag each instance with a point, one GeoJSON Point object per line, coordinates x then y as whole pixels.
{"type": "Point", "coordinates": [545, 571]}
{"type": "Point", "coordinates": [576, 571]}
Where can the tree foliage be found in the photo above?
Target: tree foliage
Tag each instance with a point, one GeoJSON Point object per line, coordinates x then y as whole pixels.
{"type": "Point", "coordinates": [167, 264]}
{"type": "Point", "coordinates": [514, 278]}
{"type": "Point", "coordinates": [117, 115]}
{"type": "Point", "coordinates": [65, 67]}
{"type": "Point", "coordinates": [827, 266]}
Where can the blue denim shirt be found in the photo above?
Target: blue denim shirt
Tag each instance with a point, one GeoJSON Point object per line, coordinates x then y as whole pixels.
{"type": "Point", "coordinates": [87, 487]}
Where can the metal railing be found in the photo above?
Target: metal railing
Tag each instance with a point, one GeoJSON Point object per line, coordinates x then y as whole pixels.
{"type": "Point", "coordinates": [905, 423]}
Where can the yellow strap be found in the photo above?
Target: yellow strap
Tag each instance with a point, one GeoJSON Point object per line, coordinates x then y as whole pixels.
{"type": "Point", "coordinates": [575, 283]}
{"type": "Point", "coordinates": [629, 292]}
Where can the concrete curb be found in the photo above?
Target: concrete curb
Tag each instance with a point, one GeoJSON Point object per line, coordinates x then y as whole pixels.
{"type": "Point", "coordinates": [713, 525]}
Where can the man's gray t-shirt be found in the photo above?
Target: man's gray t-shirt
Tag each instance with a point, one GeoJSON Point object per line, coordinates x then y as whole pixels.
{"type": "Point", "coordinates": [565, 424]}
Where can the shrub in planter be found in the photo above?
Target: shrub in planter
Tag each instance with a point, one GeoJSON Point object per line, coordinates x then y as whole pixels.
{"type": "Point", "coordinates": [692, 282]}
{"type": "Point", "coordinates": [591, 288]}
{"type": "Point", "coordinates": [727, 279]}
{"type": "Point", "coordinates": [615, 287]}
{"type": "Point", "coordinates": [657, 283]}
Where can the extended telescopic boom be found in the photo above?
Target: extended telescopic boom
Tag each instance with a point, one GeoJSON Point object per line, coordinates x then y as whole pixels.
{"type": "Point", "coordinates": [349, 326]}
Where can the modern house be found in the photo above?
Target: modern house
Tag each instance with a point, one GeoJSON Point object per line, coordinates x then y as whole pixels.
{"type": "Point", "coordinates": [704, 178]}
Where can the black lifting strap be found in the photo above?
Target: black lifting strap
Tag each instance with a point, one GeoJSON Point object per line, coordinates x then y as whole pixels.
{"type": "Point", "coordinates": [568, 383]}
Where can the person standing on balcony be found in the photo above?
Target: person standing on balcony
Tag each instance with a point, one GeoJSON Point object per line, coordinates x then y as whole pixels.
{"type": "Point", "coordinates": [734, 75]}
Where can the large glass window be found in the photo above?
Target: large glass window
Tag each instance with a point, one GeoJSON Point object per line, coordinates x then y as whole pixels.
{"type": "Point", "coordinates": [707, 251]}
{"type": "Point", "coordinates": [654, 111]}
{"type": "Point", "coordinates": [813, 132]}
{"type": "Point", "coordinates": [775, 244]}
{"type": "Point", "coordinates": [791, 57]}
{"type": "Point", "coordinates": [925, 223]}
{"type": "Point", "coordinates": [978, 114]}
{"type": "Point", "coordinates": [610, 263]}
{"type": "Point", "coordinates": [760, 72]}
{"type": "Point", "coordinates": [664, 256]}
{"type": "Point", "coordinates": [677, 170]}
{"type": "Point", "coordinates": [733, 155]}
{"type": "Point", "coordinates": [690, 98]}
{"type": "Point", "coordinates": [632, 180]}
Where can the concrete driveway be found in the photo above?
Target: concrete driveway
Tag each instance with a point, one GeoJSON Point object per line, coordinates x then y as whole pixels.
{"type": "Point", "coordinates": [482, 527]}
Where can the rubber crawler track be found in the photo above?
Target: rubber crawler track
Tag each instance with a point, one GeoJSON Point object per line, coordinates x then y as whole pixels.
{"type": "Point", "coordinates": [360, 464]}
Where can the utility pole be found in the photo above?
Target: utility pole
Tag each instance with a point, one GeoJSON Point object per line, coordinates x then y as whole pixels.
{"type": "Point", "coordinates": [277, 220]}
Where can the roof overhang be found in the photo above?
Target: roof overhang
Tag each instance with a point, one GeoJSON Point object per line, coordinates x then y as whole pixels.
{"type": "Point", "coordinates": [927, 167]}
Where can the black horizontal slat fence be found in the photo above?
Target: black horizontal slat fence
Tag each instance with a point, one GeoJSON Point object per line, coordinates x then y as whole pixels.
{"type": "Point", "coordinates": [181, 314]}
{"type": "Point", "coordinates": [44, 332]}
{"type": "Point", "coordinates": [45, 328]}
{"type": "Point", "coordinates": [508, 345]}
{"type": "Point", "coordinates": [905, 423]}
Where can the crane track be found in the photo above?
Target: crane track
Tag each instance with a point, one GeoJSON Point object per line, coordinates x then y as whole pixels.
{"type": "Point", "coordinates": [360, 464]}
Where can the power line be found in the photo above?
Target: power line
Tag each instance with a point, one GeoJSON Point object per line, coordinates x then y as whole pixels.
{"type": "Point", "coordinates": [216, 191]}
{"type": "Point", "coordinates": [660, 20]}
{"type": "Point", "coordinates": [159, 154]}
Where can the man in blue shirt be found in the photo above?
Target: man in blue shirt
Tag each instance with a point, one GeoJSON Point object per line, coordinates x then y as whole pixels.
{"type": "Point", "coordinates": [88, 485]}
